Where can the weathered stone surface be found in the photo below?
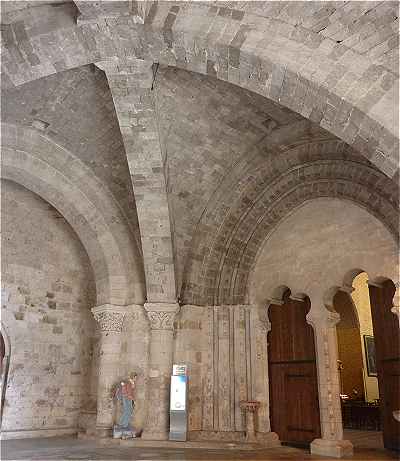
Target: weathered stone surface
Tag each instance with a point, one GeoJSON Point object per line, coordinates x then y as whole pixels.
{"type": "Point", "coordinates": [228, 238]}
{"type": "Point", "coordinates": [131, 85]}
{"type": "Point", "coordinates": [213, 126]}
{"type": "Point", "coordinates": [50, 370]}
{"type": "Point", "coordinates": [183, 34]}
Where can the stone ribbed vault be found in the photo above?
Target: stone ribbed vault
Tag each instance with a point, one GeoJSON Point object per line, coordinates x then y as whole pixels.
{"type": "Point", "coordinates": [342, 75]}
{"type": "Point", "coordinates": [334, 65]}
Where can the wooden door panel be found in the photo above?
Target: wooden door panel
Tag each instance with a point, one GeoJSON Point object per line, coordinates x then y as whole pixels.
{"type": "Point", "coordinates": [387, 344]}
{"type": "Point", "coordinates": [294, 386]}
{"type": "Point", "coordinates": [300, 389]}
{"type": "Point", "coordinates": [391, 402]}
{"type": "Point", "coordinates": [292, 372]}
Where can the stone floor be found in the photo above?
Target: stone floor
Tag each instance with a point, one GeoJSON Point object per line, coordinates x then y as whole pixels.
{"type": "Point", "coordinates": [364, 439]}
{"type": "Point", "coordinates": [69, 448]}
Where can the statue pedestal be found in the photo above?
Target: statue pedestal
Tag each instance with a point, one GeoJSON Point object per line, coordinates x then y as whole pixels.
{"type": "Point", "coordinates": [250, 407]}
{"type": "Point", "coordinates": [125, 432]}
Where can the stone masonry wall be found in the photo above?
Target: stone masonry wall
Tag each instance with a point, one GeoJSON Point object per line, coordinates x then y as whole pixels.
{"type": "Point", "coordinates": [47, 293]}
{"type": "Point", "coordinates": [314, 248]}
{"type": "Point", "coordinates": [225, 350]}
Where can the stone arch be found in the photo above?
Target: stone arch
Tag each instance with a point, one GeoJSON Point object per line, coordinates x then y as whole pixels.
{"type": "Point", "coordinates": [373, 279]}
{"type": "Point", "coordinates": [301, 78]}
{"type": "Point", "coordinates": [278, 294]}
{"type": "Point", "coordinates": [223, 260]}
{"type": "Point", "coordinates": [322, 277]}
{"type": "Point", "coordinates": [53, 173]}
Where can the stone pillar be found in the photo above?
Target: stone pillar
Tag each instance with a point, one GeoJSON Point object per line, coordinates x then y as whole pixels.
{"type": "Point", "coordinates": [331, 442]}
{"type": "Point", "coordinates": [110, 319]}
{"type": "Point", "coordinates": [161, 317]}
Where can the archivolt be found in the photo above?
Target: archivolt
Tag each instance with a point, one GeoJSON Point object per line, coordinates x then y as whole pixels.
{"type": "Point", "coordinates": [53, 173]}
{"type": "Point", "coordinates": [228, 238]}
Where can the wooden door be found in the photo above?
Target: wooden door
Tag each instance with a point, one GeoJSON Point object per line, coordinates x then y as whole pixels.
{"type": "Point", "coordinates": [292, 374]}
{"type": "Point", "coordinates": [387, 345]}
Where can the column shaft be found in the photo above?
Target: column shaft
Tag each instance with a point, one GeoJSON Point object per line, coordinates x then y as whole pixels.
{"type": "Point", "coordinates": [110, 319]}
{"type": "Point", "coordinates": [161, 318]}
{"type": "Point", "coordinates": [331, 442]}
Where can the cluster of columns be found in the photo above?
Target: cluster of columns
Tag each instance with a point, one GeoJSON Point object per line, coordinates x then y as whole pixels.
{"type": "Point", "coordinates": [111, 320]}
{"type": "Point", "coordinates": [131, 82]}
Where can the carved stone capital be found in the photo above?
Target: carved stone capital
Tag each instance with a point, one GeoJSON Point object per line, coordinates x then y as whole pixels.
{"type": "Point", "coordinates": [161, 315]}
{"type": "Point", "coordinates": [328, 320]}
{"type": "Point", "coordinates": [110, 317]}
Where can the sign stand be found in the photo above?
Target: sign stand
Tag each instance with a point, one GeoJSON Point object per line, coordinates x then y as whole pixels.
{"type": "Point", "coordinates": [178, 410]}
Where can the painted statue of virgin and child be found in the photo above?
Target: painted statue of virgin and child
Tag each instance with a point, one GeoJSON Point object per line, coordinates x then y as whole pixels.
{"type": "Point", "coordinates": [124, 392]}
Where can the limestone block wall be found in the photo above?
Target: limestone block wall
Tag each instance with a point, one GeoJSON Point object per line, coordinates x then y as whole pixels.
{"type": "Point", "coordinates": [314, 248]}
{"type": "Point", "coordinates": [225, 348]}
{"type": "Point", "coordinates": [47, 293]}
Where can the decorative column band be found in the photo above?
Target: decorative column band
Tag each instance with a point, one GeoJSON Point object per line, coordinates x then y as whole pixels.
{"type": "Point", "coordinates": [161, 315]}
{"type": "Point", "coordinates": [111, 317]}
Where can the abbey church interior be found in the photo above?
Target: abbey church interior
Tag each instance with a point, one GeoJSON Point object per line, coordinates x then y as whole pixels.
{"type": "Point", "coordinates": [200, 230]}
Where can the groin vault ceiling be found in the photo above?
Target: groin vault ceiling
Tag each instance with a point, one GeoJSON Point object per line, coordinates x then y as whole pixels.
{"type": "Point", "coordinates": [259, 107]}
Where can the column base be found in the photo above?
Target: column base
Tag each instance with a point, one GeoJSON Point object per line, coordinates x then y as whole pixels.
{"type": "Point", "coordinates": [148, 435]}
{"type": "Point", "coordinates": [332, 448]}
{"type": "Point", "coordinates": [268, 439]}
{"type": "Point", "coordinates": [103, 432]}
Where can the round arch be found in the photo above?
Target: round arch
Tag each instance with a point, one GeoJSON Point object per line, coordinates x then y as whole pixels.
{"type": "Point", "coordinates": [320, 270]}
{"type": "Point", "coordinates": [224, 258]}
{"type": "Point", "coordinates": [35, 162]}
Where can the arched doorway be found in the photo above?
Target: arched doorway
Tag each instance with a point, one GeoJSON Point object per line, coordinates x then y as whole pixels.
{"type": "Point", "coordinates": [369, 366]}
{"type": "Point", "coordinates": [350, 353]}
{"type": "Point", "coordinates": [387, 345]}
{"type": "Point", "coordinates": [293, 382]}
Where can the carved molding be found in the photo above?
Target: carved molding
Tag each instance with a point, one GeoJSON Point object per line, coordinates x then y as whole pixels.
{"type": "Point", "coordinates": [161, 315]}
{"type": "Point", "coordinates": [110, 317]}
